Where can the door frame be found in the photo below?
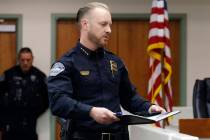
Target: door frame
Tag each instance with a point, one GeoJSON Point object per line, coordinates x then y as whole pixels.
{"type": "Point", "coordinates": [19, 28]}
{"type": "Point", "coordinates": [182, 17]}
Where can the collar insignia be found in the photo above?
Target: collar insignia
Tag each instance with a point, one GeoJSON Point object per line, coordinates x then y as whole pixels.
{"type": "Point", "coordinates": [83, 50]}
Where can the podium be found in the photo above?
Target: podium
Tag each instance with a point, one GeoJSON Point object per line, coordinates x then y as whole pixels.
{"type": "Point", "coordinates": [199, 127]}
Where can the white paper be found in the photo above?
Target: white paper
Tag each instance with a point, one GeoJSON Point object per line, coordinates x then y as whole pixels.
{"type": "Point", "coordinates": [162, 116]}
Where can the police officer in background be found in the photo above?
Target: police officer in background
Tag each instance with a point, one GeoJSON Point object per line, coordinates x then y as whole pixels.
{"type": "Point", "coordinates": [23, 98]}
{"type": "Point", "coordinates": [89, 84]}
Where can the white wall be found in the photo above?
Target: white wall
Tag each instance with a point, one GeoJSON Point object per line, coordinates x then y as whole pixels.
{"type": "Point", "coordinates": [37, 29]}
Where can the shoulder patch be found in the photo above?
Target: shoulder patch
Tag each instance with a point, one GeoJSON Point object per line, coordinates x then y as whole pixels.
{"type": "Point", "coordinates": [56, 69]}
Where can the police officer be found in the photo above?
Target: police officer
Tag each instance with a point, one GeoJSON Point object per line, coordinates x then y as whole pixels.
{"type": "Point", "coordinates": [88, 84]}
{"type": "Point", "coordinates": [23, 98]}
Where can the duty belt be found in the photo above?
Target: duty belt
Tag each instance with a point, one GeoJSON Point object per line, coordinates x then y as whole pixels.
{"type": "Point", "coordinates": [19, 127]}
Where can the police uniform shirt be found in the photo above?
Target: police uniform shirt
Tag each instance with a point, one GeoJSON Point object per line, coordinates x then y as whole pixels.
{"type": "Point", "coordinates": [23, 98]}
{"type": "Point", "coordinates": [82, 79]}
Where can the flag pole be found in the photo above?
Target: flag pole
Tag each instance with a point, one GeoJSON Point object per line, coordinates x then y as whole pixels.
{"type": "Point", "coordinates": [162, 82]}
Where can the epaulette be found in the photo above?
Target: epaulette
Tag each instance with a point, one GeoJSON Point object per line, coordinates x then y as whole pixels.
{"type": "Point", "coordinates": [68, 53]}
{"type": "Point", "coordinates": [109, 52]}
{"type": "Point", "coordinates": [71, 52]}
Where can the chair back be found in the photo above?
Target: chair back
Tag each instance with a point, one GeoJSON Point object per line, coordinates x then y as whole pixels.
{"type": "Point", "coordinates": [201, 98]}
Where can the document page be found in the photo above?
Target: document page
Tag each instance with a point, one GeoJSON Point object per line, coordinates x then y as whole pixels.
{"type": "Point", "coordinates": [141, 119]}
{"type": "Point", "coordinates": [162, 116]}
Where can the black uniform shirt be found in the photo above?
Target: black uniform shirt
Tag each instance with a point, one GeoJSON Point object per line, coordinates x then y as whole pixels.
{"type": "Point", "coordinates": [83, 78]}
{"type": "Point", "coordinates": [23, 97]}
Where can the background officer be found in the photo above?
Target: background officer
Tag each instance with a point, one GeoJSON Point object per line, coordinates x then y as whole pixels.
{"type": "Point", "coordinates": [23, 98]}
{"type": "Point", "coordinates": [89, 84]}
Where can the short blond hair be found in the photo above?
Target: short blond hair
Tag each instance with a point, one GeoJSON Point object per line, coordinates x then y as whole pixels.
{"type": "Point", "coordinates": [84, 10]}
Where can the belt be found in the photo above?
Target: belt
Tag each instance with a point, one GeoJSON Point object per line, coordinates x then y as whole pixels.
{"type": "Point", "coordinates": [18, 128]}
{"type": "Point", "coordinates": [97, 136]}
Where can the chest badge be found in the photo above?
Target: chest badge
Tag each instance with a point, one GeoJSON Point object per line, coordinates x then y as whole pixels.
{"type": "Point", "coordinates": [33, 78]}
{"type": "Point", "coordinates": [113, 66]}
{"type": "Point", "coordinates": [85, 72]}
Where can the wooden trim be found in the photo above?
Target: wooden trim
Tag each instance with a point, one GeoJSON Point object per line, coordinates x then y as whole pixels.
{"type": "Point", "coordinates": [19, 19]}
{"type": "Point", "coordinates": [195, 127]}
{"type": "Point", "coordinates": [183, 62]}
{"type": "Point", "coordinates": [54, 18]}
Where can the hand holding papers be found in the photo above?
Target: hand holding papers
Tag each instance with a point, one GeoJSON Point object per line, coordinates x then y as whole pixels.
{"type": "Point", "coordinates": [144, 119]}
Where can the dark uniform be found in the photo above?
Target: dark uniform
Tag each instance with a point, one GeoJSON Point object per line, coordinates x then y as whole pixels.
{"type": "Point", "coordinates": [82, 79]}
{"type": "Point", "coordinates": [23, 98]}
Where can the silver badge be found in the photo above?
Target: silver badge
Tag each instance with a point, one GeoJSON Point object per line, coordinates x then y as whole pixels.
{"type": "Point", "coordinates": [56, 69]}
{"type": "Point", "coordinates": [33, 78]}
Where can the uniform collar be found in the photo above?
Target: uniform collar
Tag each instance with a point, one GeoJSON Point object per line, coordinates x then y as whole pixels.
{"type": "Point", "coordinates": [89, 53]}
{"type": "Point", "coordinates": [24, 73]}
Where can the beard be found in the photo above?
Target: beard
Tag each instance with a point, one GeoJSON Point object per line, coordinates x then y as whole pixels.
{"type": "Point", "coordinates": [96, 40]}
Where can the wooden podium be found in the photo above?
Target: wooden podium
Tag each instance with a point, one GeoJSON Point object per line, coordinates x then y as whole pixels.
{"type": "Point", "coordinates": [195, 127]}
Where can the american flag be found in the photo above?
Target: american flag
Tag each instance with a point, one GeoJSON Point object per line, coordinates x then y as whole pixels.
{"type": "Point", "coordinates": [160, 70]}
